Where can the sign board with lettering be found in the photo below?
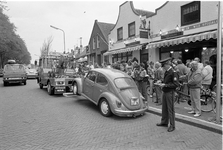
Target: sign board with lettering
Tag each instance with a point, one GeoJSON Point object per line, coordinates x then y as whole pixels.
{"type": "Point", "coordinates": [170, 35]}
{"type": "Point", "coordinates": [190, 13]}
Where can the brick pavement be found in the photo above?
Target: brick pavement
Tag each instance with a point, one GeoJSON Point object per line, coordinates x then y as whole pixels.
{"type": "Point", "coordinates": [33, 120]}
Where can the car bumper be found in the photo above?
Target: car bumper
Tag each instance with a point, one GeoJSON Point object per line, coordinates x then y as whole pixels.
{"type": "Point", "coordinates": [130, 113]}
{"type": "Point", "coordinates": [14, 80]}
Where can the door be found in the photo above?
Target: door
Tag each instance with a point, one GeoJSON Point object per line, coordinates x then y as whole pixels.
{"type": "Point", "coordinates": [88, 84]}
{"type": "Point", "coordinates": [101, 84]}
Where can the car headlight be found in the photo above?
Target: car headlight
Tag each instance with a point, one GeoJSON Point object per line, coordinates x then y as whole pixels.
{"type": "Point", "coordinates": [119, 104]}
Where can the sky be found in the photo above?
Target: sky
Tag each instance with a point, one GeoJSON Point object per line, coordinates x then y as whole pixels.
{"type": "Point", "coordinates": [76, 18]}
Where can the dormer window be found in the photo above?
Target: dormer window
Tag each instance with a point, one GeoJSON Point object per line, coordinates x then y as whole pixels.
{"type": "Point", "coordinates": [120, 34]}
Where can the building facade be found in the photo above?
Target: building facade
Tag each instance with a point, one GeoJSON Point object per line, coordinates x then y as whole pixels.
{"type": "Point", "coordinates": [129, 37]}
{"type": "Point", "coordinates": [98, 43]}
{"type": "Point", "coordinates": [189, 30]}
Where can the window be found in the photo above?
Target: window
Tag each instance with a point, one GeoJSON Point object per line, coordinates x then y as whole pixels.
{"type": "Point", "coordinates": [98, 41]}
{"type": "Point", "coordinates": [123, 83]}
{"type": "Point", "coordinates": [94, 43]}
{"type": "Point", "coordinates": [190, 13]}
{"type": "Point", "coordinates": [121, 56]}
{"type": "Point", "coordinates": [131, 29]}
{"type": "Point", "coordinates": [101, 80]}
{"type": "Point", "coordinates": [120, 34]}
{"type": "Point", "coordinates": [91, 76]}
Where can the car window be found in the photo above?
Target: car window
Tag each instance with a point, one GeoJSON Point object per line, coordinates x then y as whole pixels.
{"type": "Point", "coordinates": [101, 80]}
{"type": "Point", "coordinates": [91, 76]}
{"type": "Point", "coordinates": [124, 82]}
{"type": "Point", "coordinates": [14, 68]}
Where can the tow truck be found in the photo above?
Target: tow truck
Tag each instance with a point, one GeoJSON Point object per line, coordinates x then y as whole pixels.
{"type": "Point", "coordinates": [55, 73]}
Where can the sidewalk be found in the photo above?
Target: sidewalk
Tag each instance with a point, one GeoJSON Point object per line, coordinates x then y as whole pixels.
{"type": "Point", "coordinates": [205, 121]}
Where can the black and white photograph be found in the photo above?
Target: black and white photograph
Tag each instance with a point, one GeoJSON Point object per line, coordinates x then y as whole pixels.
{"type": "Point", "coordinates": [111, 75]}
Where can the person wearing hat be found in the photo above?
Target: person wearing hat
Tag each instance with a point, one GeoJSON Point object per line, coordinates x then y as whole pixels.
{"type": "Point", "coordinates": [170, 82]}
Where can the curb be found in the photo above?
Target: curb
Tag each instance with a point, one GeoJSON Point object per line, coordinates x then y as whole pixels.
{"type": "Point", "coordinates": [191, 121]}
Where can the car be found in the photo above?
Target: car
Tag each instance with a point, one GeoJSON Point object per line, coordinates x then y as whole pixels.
{"type": "Point", "coordinates": [31, 73]}
{"type": "Point", "coordinates": [114, 91]}
{"type": "Point", "coordinates": [1, 72]}
{"type": "Point", "coordinates": [14, 73]}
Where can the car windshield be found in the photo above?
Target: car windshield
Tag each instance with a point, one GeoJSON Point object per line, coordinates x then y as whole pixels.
{"type": "Point", "coordinates": [14, 68]}
{"type": "Point", "coordinates": [124, 82]}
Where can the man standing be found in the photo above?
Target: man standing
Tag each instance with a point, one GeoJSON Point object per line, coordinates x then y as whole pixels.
{"type": "Point", "coordinates": [207, 73]}
{"type": "Point", "coordinates": [194, 84]}
{"type": "Point", "coordinates": [168, 87]}
{"type": "Point", "coordinates": [158, 78]}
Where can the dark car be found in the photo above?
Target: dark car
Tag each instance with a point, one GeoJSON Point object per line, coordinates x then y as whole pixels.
{"type": "Point", "coordinates": [14, 73]}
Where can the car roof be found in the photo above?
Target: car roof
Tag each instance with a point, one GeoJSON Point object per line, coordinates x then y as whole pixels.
{"type": "Point", "coordinates": [111, 73]}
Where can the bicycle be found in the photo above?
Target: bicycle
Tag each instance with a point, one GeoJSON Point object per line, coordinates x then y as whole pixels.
{"type": "Point", "coordinates": [181, 96]}
{"type": "Point", "coordinates": [208, 102]}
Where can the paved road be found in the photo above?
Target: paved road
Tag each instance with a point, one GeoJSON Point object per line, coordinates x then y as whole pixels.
{"type": "Point", "coordinates": [31, 119]}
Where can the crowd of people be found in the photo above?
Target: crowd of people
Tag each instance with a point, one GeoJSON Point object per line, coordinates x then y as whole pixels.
{"type": "Point", "coordinates": [193, 72]}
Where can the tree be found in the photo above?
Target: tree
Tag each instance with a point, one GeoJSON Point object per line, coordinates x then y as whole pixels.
{"type": "Point", "coordinates": [12, 46]}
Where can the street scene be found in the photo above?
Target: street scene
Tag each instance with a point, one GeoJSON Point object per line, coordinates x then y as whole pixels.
{"type": "Point", "coordinates": [107, 75]}
{"type": "Point", "coordinates": [34, 120]}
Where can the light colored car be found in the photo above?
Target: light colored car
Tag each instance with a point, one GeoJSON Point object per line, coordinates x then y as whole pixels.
{"type": "Point", "coordinates": [112, 90]}
{"type": "Point", "coordinates": [31, 73]}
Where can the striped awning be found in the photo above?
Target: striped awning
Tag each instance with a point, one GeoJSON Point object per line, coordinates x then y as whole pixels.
{"type": "Point", "coordinates": [124, 50]}
{"type": "Point", "coordinates": [183, 40]}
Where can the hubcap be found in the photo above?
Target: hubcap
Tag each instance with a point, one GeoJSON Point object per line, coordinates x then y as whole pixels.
{"type": "Point", "coordinates": [74, 87]}
{"type": "Point", "coordinates": [104, 107]}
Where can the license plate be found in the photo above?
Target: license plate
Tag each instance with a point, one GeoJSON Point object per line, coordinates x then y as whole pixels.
{"type": "Point", "coordinates": [59, 88]}
{"type": "Point", "coordinates": [134, 102]}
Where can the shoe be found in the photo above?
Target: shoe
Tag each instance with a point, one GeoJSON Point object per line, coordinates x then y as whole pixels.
{"type": "Point", "coordinates": [191, 112]}
{"type": "Point", "coordinates": [163, 125]}
{"type": "Point", "coordinates": [197, 115]}
{"type": "Point", "coordinates": [170, 129]}
{"type": "Point", "coordinates": [158, 104]}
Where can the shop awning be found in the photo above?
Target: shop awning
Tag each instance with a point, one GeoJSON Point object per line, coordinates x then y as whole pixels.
{"type": "Point", "coordinates": [183, 40]}
{"type": "Point", "coordinates": [123, 50]}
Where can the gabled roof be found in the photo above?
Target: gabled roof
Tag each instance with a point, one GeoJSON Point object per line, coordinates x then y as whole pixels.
{"type": "Point", "coordinates": [144, 12]}
{"type": "Point", "coordinates": [105, 29]}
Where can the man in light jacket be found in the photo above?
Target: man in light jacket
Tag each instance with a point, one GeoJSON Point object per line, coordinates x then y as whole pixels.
{"type": "Point", "coordinates": [207, 73]}
{"type": "Point", "coordinates": [194, 84]}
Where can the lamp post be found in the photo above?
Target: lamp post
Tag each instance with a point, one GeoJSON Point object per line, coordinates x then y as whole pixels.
{"type": "Point", "coordinates": [63, 35]}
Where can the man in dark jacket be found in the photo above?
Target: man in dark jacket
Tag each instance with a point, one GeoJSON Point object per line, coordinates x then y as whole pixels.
{"type": "Point", "coordinates": [168, 86]}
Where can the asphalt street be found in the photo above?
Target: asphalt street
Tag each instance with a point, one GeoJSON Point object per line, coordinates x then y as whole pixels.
{"type": "Point", "coordinates": [33, 120]}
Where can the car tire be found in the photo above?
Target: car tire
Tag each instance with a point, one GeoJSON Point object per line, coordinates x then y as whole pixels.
{"type": "Point", "coordinates": [49, 89]}
{"type": "Point", "coordinates": [40, 85]}
{"type": "Point", "coordinates": [105, 108]}
{"type": "Point", "coordinates": [75, 88]}
{"type": "Point", "coordinates": [5, 83]}
{"type": "Point", "coordinates": [24, 83]}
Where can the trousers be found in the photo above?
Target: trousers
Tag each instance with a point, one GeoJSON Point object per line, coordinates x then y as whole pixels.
{"type": "Point", "coordinates": [195, 100]}
{"type": "Point", "coordinates": [168, 111]}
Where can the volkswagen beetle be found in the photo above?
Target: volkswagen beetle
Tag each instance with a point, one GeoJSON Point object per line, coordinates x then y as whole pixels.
{"type": "Point", "coordinates": [112, 90]}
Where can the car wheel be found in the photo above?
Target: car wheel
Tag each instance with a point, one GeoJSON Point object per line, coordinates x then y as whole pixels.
{"type": "Point", "coordinates": [5, 83]}
{"type": "Point", "coordinates": [40, 85]}
{"type": "Point", "coordinates": [49, 89]}
{"type": "Point", "coordinates": [75, 88]}
{"type": "Point", "coordinates": [105, 108]}
{"type": "Point", "coordinates": [24, 83]}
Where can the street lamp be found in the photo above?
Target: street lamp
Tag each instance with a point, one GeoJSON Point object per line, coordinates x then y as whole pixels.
{"type": "Point", "coordinates": [63, 35]}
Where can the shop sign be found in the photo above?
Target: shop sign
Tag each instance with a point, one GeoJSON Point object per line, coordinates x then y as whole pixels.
{"type": "Point", "coordinates": [173, 34]}
{"type": "Point", "coordinates": [208, 23]}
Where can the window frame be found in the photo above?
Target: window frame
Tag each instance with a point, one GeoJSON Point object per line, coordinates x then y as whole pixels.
{"type": "Point", "coordinates": [129, 29]}
{"type": "Point", "coordinates": [120, 36]}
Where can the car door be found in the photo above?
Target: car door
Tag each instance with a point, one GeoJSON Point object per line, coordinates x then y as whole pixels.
{"type": "Point", "coordinates": [100, 86]}
{"type": "Point", "coordinates": [88, 84]}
